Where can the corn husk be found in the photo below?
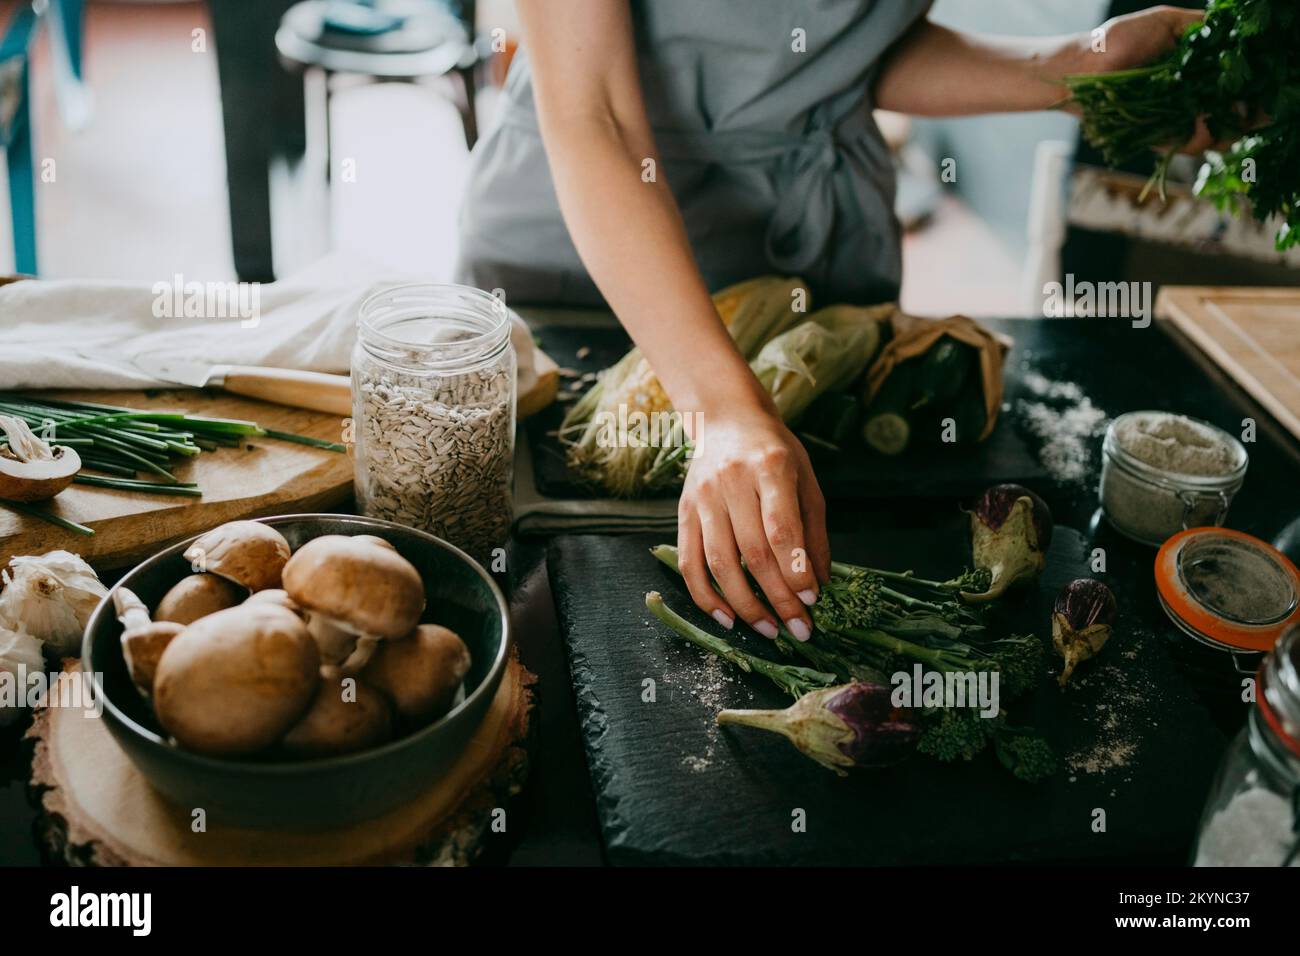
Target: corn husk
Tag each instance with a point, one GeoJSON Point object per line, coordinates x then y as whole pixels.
{"type": "Point", "coordinates": [824, 354]}
{"type": "Point", "coordinates": [753, 311]}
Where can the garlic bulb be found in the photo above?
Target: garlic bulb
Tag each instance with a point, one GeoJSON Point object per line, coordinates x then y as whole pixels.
{"type": "Point", "coordinates": [20, 654]}
{"type": "Point", "coordinates": [50, 597]}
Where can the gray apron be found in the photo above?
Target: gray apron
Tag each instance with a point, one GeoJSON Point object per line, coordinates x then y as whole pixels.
{"type": "Point", "coordinates": [772, 154]}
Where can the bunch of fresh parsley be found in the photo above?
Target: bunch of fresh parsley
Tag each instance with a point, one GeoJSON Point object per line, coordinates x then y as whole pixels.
{"type": "Point", "coordinates": [1240, 70]}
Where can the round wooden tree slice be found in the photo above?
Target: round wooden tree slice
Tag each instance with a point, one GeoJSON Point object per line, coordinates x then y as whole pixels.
{"type": "Point", "coordinates": [98, 809]}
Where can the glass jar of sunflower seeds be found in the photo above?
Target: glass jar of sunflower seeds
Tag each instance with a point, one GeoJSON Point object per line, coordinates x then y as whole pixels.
{"type": "Point", "coordinates": [433, 405]}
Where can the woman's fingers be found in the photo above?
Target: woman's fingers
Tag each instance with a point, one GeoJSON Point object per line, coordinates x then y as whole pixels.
{"type": "Point", "coordinates": [752, 536]}
{"type": "Point", "coordinates": [812, 512]}
{"type": "Point", "coordinates": [723, 559]}
{"type": "Point", "coordinates": [783, 524]}
{"type": "Point", "coordinates": [695, 571]}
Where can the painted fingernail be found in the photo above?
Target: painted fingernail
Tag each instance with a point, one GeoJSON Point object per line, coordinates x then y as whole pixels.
{"type": "Point", "coordinates": [809, 597]}
{"type": "Point", "coordinates": [723, 618]}
{"type": "Point", "coordinates": [767, 629]}
{"type": "Point", "coordinates": [798, 628]}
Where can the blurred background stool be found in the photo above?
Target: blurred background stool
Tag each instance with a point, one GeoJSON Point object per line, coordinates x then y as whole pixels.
{"type": "Point", "coordinates": [406, 41]}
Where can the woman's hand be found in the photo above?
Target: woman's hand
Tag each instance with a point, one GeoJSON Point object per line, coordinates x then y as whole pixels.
{"type": "Point", "coordinates": [1138, 39]}
{"type": "Point", "coordinates": [1133, 40]}
{"type": "Point", "coordinates": [750, 493]}
{"type": "Point", "coordinates": [936, 71]}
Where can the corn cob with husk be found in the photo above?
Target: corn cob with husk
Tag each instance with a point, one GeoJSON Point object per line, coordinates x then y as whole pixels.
{"type": "Point", "coordinates": [753, 311]}
{"type": "Point", "coordinates": [824, 354]}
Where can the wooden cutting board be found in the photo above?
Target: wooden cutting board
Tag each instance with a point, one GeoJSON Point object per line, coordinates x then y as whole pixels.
{"type": "Point", "coordinates": [1253, 334]}
{"type": "Point", "coordinates": [262, 476]}
{"type": "Point", "coordinates": [97, 808]}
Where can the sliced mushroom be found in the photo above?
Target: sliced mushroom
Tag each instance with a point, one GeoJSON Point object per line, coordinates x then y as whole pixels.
{"type": "Point", "coordinates": [249, 553]}
{"type": "Point", "coordinates": [196, 596]}
{"type": "Point", "coordinates": [369, 592]}
{"type": "Point", "coordinates": [234, 682]}
{"type": "Point", "coordinates": [421, 673]}
{"type": "Point", "coordinates": [30, 468]}
{"type": "Point", "coordinates": [346, 715]}
{"type": "Point", "coordinates": [143, 640]}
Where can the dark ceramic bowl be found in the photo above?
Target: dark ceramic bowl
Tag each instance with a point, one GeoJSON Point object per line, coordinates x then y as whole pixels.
{"type": "Point", "coordinates": [328, 792]}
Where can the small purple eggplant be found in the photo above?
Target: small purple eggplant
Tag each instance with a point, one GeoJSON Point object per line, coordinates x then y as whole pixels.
{"type": "Point", "coordinates": [852, 725]}
{"type": "Point", "coordinates": [1011, 528]}
{"type": "Point", "coordinates": [1081, 622]}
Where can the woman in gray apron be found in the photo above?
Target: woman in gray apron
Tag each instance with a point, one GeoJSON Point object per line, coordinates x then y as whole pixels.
{"type": "Point", "coordinates": [651, 150]}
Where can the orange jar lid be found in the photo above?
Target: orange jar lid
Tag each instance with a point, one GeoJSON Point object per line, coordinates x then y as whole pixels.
{"type": "Point", "coordinates": [1227, 589]}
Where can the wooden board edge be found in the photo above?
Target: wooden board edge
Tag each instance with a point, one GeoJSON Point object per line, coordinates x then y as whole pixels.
{"type": "Point", "coordinates": [453, 840]}
{"type": "Point", "coordinates": [1185, 310]}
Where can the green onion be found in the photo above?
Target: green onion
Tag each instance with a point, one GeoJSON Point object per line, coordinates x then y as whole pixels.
{"type": "Point", "coordinates": [31, 512]}
{"type": "Point", "coordinates": [126, 443]}
{"type": "Point", "coordinates": [130, 484]}
{"type": "Point", "coordinates": [307, 440]}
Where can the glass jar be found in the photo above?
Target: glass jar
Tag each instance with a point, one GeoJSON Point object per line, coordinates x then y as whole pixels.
{"type": "Point", "coordinates": [1149, 504]}
{"type": "Point", "coordinates": [1252, 817]}
{"type": "Point", "coordinates": [433, 406]}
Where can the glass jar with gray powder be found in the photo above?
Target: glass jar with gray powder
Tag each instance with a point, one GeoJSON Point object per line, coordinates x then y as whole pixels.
{"type": "Point", "coordinates": [1250, 818]}
{"type": "Point", "coordinates": [1163, 472]}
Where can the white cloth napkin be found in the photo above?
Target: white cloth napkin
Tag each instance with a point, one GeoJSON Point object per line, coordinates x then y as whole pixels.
{"type": "Point", "coordinates": [74, 333]}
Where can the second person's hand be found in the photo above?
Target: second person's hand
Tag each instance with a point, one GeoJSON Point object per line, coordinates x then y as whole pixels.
{"type": "Point", "coordinates": [750, 494]}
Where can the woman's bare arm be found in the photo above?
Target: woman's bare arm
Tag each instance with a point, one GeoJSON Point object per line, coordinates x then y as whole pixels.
{"type": "Point", "coordinates": [936, 71]}
{"type": "Point", "coordinates": [750, 490]}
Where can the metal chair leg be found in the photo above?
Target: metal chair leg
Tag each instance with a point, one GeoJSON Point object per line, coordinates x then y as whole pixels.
{"type": "Point", "coordinates": [69, 15]}
{"type": "Point", "coordinates": [463, 78]}
{"type": "Point", "coordinates": [66, 55]}
{"type": "Point", "coordinates": [22, 181]}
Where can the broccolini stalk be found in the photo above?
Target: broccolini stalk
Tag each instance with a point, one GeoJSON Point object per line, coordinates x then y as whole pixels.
{"type": "Point", "coordinates": [855, 597]}
{"type": "Point", "coordinates": [861, 599]}
{"type": "Point", "coordinates": [820, 658]}
{"type": "Point", "coordinates": [845, 667]}
{"type": "Point", "coordinates": [795, 681]}
{"type": "Point", "coordinates": [975, 579]}
{"type": "Point", "coordinates": [944, 658]}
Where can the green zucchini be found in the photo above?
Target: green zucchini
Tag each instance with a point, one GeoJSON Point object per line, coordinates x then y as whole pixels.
{"type": "Point", "coordinates": [887, 425]}
{"type": "Point", "coordinates": [967, 410]}
{"type": "Point", "coordinates": [832, 418]}
{"type": "Point", "coordinates": [943, 371]}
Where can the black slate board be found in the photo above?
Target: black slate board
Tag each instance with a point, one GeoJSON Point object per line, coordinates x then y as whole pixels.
{"type": "Point", "coordinates": [672, 788]}
{"type": "Point", "coordinates": [856, 473]}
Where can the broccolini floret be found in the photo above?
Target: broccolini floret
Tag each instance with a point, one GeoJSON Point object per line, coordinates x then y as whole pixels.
{"type": "Point", "coordinates": [1025, 754]}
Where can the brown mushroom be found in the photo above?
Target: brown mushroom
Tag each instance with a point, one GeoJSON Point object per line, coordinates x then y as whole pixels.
{"type": "Point", "coordinates": [421, 673]}
{"type": "Point", "coordinates": [276, 596]}
{"type": "Point", "coordinates": [335, 644]}
{"type": "Point", "coordinates": [143, 641]}
{"type": "Point", "coordinates": [346, 715]}
{"type": "Point", "coordinates": [196, 596]}
{"type": "Point", "coordinates": [30, 468]}
{"type": "Point", "coordinates": [249, 553]}
{"type": "Point", "coordinates": [234, 682]}
{"type": "Point", "coordinates": [374, 539]}
{"type": "Point", "coordinates": [369, 592]}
